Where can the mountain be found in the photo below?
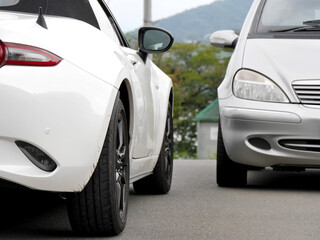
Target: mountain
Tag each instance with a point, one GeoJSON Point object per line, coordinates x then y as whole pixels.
{"type": "Point", "coordinates": [197, 24]}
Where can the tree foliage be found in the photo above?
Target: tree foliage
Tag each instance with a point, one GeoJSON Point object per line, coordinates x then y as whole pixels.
{"type": "Point", "coordinates": [196, 71]}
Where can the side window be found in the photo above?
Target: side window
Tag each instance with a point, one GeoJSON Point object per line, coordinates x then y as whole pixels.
{"type": "Point", "coordinates": [104, 22]}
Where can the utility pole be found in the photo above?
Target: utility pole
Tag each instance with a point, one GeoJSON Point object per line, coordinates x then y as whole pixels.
{"type": "Point", "coordinates": [147, 19]}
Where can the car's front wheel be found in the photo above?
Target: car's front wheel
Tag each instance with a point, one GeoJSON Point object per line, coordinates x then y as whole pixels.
{"type": "Point", "coordinates": [100, 209]}
{"type": "Point", "coordinates": [229, 173]}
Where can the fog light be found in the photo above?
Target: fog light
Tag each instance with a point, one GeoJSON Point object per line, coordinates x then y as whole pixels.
{"type": "Point", "coordinates": [260, 143]}
{"type": "Point", "coordinates": [37, 157]}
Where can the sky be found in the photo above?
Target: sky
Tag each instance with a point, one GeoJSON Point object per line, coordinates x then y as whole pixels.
{"type": "Point", "coordinates": [129, 13]}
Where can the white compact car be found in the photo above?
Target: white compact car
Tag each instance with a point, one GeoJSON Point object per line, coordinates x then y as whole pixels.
{"type": "Point", "coordinates": [81, 112]}
{"type": "Point", "coordinates": [270, 97]}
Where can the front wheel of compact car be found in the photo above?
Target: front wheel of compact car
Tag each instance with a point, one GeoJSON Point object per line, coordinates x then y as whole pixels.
{"type": "Point", "coordinates": [229, 173]}
{"type": "Point", "coordinates": [100, 209]}
{"type": "Point", "coordinates": [160, 181]}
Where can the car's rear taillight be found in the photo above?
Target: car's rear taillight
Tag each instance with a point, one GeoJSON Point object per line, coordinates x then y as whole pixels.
{"type": "Point", "coordinates": [25, 55]}
{"type": "Point", "coordinates": [2, 54]}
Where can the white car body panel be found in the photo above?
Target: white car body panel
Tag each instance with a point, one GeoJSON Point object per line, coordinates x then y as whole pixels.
{"type": "Point", "coordinates": [72, 44]}
{"type": "Point", "coordinates": [82, 88]}
{"type": "Point", "coordinates": [146, 138]}
{"type": "Point", "coordinates": [284, 60]}
{"type": "Point", "coordinates": [31, 111]}
{"type": "Point", "coordinates": [236, 59]}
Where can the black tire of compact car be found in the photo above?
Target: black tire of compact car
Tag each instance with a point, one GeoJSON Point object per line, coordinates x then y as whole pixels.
{"type": "Point", "coordinates": [160, 181]}
{"type": "Point", "coordinates": [100, 209]}
{"type": "Point", "coordinates": [229, 173]}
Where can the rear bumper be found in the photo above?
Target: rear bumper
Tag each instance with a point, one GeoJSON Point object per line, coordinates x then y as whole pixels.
{"type": "Point", "coordinates": [287, 133]}
{"type": "Point", "coordinates": [63, 111]}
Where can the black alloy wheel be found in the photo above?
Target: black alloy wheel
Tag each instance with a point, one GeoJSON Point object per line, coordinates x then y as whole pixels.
{"type": "Point", "coordinates": [160, 181]}
{"type": "Point", "coordinates": [100, 209]}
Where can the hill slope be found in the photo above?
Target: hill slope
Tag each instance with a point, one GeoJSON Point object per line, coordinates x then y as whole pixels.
{"type": "Point", "coordinates": [197, 24]}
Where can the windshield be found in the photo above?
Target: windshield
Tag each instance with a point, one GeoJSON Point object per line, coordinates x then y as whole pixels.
{"type": "Point", "coordinates": [288, 14]}
{"type": "Point", "coordinates": [77, 9]}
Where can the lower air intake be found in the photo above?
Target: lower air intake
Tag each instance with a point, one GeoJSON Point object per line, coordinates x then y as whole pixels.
{"type": "Point", "coordinates": [302, 145]}
{"type": "Point", "coordinates": [37, 156]}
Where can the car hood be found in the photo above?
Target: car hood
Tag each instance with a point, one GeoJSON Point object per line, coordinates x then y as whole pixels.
{"type": "Point", "coordinates": [284, 60]}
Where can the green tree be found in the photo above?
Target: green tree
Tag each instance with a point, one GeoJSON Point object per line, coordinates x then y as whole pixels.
{"type": "Point", "coordinates": [196, 70]}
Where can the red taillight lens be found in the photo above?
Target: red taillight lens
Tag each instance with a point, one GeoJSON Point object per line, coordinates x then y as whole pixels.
{"type": "Point", "coordinates": [2, 53]}
{"type": "Point", "coordinates": [25, 55]}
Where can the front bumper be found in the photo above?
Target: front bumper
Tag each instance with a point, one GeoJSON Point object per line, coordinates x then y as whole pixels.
{"type": "Point", "coordinates": [270, 134]}
{"type": "Point", "coordinates": [62, 110]}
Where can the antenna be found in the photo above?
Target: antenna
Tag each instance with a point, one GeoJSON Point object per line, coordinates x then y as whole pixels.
{"type": "Point", "coordinates": [41, 21]}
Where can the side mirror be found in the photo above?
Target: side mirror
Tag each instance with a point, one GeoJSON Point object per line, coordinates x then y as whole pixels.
{"type": "Point", "coordinates": [224, 39]}
{"type": "Point", "coordinates": [154, 40]}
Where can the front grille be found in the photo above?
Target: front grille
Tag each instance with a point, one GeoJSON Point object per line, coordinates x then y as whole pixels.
{"type": "Point", "coordinates": [302, 145]}
{"type": "Point", "coordinates": [308, 92]}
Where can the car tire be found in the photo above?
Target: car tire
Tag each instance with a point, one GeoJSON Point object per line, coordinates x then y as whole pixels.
{"type": "Point", "coordinates": [160, 181]}
{"type": "Point", "coordinates": [229, 173]}
{"type": "Point", "coordinates": [100, 209]}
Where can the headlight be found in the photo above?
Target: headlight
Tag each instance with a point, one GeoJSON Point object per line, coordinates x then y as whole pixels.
{"type": "Point", "coordinates": [254, 86]}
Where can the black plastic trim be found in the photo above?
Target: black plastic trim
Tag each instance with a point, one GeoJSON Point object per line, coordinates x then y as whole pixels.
{"type": "Point", "coordinates": [291, 35]}
{"type": "Point", "coordinates": [260, 143]}
{"type": "Point", "coordinates": [140, 39]}
{"type": "Point", "coordinates": [114, 23]}
{"type": "Point", "coordinates": [45, 167]}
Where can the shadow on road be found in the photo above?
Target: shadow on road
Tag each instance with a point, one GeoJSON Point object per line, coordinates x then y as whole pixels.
{"type": "Point", "coordinates": [268, 179]}
{"type": "Point", "coordinates": [32, 214]}
{"type": "Point", "coordinates": [27, 214]}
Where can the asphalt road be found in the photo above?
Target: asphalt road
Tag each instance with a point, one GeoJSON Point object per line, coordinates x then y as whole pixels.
{"type": "Point", "coordinates": [273, 206]}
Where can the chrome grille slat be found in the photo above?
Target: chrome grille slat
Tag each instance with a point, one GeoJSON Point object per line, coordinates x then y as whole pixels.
{"type": "Point", "coordinates": [308, 92]}
{"type": "Point", "coordinates": [309, 145]}
{"type": "Point", "coordinates": [302, 92]}
{"type": "Point", "coordinates": [301, 145]}
{"type": "Point", "coordinates": [306, 87]}
{"type": "Point", "coordinates": [309, 97]}
{"type": "Point", "coordinates": [310, 102]}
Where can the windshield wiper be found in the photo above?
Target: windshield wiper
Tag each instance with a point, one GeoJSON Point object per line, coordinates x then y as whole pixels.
{"type": "Point", "coordinates": [287, 29]}
{"type": "Point", "coordinates": [314, 27]}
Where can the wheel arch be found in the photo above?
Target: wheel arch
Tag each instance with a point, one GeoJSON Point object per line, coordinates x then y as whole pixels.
{"type": "Point", "coordinates": [127, 100]}
{"type": "Point", "coordinates": [171, 99]}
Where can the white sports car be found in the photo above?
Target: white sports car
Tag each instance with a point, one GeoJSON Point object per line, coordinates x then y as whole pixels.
{"type": "Point", "coordinates": [81, 112]}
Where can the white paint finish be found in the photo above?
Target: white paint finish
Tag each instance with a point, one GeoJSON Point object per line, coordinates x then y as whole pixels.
{"type": "Point", "coordinates": [75, 105]}
{"type": "Point", "coordinates": [284, 60]}
{"type": "Point", "coordinates": [236, 61]}
{"type": "Point", "coordinates": [151, 91]}
{"type": "Point", "coordinates": [65, 110]}
{"type": "Point", "coordinates": [223, 38]}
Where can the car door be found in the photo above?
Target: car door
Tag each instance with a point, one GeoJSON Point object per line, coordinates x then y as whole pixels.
{"type": "Point", "coordinates": [144, 89]}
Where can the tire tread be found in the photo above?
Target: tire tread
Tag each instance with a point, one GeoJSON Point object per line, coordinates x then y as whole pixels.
{"type": "Point", "coordinates": [90, 212]}
{"type": "Point", "coordinates": [229, 173]}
